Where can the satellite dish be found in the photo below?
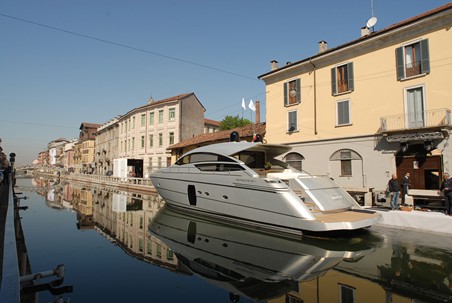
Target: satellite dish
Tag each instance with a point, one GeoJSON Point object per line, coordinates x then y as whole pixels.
{"type": "Point", "coordinates": [371, 22]}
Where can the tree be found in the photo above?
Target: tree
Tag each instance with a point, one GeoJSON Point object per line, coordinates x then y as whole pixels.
{"type": "Point", "coordinates": [230, 122]}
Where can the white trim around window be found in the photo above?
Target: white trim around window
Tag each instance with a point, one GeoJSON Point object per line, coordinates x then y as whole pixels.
{"type": "Point", "coordinates": [292, 121]}
{"type": "Point", "coordinates": [343, 113]}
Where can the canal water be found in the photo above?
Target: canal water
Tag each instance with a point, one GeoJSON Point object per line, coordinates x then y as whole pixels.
{"type": "Point", "coordinates": [129, 247]}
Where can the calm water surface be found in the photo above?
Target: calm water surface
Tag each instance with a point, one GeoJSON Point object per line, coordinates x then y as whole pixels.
{"type": "Point", "coordinates": [128, 247]}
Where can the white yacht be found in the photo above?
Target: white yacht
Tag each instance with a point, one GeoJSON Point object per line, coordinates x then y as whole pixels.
{"type": "Point", "coordinates": [244, 183]}
{"type": "Point", "coordinates": [252, 264]}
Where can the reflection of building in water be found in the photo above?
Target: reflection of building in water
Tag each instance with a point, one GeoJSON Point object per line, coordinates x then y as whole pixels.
{"type": "Point", "coordinates": [397, 273]}
{"type": "Point", "coordinates": [123, 217]}
{"type": "Point", "coordinates": [82, 201]}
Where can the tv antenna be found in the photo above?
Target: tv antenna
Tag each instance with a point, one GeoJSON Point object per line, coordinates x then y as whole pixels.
{"type": "Point", "coordinates": [373, 20]}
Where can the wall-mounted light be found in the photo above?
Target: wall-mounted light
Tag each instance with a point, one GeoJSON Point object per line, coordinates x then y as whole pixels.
{"type": "Point", "coordinates": [428, 145]}
{"type": "Point", "coordinates": [404, 147]}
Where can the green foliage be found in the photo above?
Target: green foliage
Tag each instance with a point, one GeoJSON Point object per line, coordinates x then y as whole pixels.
{"type": "Point", "coordinates": [230, 122]}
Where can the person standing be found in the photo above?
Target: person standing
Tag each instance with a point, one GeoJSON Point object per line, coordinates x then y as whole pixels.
{"type": "Point", "coordinates": [405, 186]}
{"type": "Point", "coordinates": [394, 190]}
{"type": "Point", "coordinates": [446, 187]}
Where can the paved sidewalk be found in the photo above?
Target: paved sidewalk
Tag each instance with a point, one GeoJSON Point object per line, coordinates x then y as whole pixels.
{"type": "Point", "coordinates": [426, 221]}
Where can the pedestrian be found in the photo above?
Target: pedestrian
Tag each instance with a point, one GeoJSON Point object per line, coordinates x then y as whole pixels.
{"type": "Point", "coordinates": [394, 190]}
{"type": "Point", "coordinates": [406, 184]}
{"type": "Point", "coordinates": [446, 187]}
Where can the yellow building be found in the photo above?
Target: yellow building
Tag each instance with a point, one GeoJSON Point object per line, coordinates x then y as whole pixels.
{"type": "Point", "coordinates": [370, 107]}
{"type": "Point", "coordinates": [84, 149]}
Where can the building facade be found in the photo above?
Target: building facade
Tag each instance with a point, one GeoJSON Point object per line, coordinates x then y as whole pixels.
{"type": "Point", "coordinates": [84, 149]}
{"type": "Point", "coordinates": [107, 137]}
{"type": "Point", "coordinates": [144, 133]}
{"type": "Point", "coordinates": [378, 105]}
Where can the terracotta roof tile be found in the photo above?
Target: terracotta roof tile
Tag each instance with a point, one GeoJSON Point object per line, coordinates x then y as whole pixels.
{"type": "Point", "coordinates": [221, 136]}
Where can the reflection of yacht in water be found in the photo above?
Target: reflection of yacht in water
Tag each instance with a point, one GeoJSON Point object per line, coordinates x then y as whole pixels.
{"type": "Point", "coordinates": [243, 182]}
{"type": "Point", "coordinates": [248, 263]}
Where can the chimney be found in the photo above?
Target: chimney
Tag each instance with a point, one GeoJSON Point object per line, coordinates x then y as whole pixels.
{"type": "Point", "coordinates": [323, 46]}
{"type": "Point", "coordinates": [258, 112]}
{"type": "Point", "coordinates": [365, 31]}
{"type": "Point", "coordinates": [274, 64]}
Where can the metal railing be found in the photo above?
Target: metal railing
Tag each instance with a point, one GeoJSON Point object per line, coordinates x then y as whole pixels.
{"type": "Point", "coordinates": [416, 120]}
{"type": "Point", "coordinates": [10, 284]}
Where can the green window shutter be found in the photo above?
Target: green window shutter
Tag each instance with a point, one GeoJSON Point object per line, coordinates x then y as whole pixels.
{"type": "Point", "coordinates": [351, 82]}
{"type": "Point", "coordinates": [425, 60]}
{"type": "Point", "coordinates": [298, 90]}
{"type": "Point", "coordinates": [286, 97]}
{"type": "Point", "coordinates": [400, 63]}
{"type": "Point", "coordinates": [333, 81]}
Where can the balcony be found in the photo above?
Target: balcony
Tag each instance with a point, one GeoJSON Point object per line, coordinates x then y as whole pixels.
{"type": "Point", "coordinates": [436, 118]}
{"type": "Point", "coordinates": [423, 125]}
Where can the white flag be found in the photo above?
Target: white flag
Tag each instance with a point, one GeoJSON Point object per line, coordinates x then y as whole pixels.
{"type": "Point", "coordinates": [251, 105]}
{"type": "Point", "coordinates": [243, 104]}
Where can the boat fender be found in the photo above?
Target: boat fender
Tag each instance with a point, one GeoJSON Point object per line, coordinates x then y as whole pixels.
{"type": "Point", "coordinates": [257, 138]}
{"type": "Point", "coordinates": [234, 137]}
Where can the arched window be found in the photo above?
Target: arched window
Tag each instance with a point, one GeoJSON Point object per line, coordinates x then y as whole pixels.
{"type": "Point", "coordinates": [345, 156]}
{"type": "Point", "coordinates": [294, 160]}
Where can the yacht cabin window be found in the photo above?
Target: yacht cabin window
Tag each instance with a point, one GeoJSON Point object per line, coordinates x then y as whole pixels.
{"type": "Point", "coordinates": [202, 157]}
{"type": "Point", "coordinates": [252, 159]}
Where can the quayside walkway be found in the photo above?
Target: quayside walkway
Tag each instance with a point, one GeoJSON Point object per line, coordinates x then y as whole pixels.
{"type": "Point", "coordinates": [9, 274]}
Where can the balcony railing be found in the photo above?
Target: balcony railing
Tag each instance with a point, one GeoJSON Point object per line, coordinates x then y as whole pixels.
{"type": "Point", "coordinates": [435, 118]}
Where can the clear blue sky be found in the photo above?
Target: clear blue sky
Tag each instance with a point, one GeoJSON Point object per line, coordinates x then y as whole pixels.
{"type": "Point", "coordinates": [67, 62]}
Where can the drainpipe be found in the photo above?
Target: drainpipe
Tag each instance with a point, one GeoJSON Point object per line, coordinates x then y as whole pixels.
{"type": "Point", "coordinates": [315, 97]}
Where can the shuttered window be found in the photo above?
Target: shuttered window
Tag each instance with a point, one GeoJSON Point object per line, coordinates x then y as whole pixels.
{"type": "Point", "coordinates": [292, 92]}
{"type": "Point", "coordinates": [413, 59]}
{"type": "Point", "coordinates": [342, 79]}
{"type": "Point", "coordinates": [292, 121]}
{"type": "Point", "coordinates": [343, 113]}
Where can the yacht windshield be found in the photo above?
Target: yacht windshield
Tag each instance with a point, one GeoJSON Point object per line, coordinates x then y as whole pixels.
{"type": "Point", "coordinates": [202, 157]}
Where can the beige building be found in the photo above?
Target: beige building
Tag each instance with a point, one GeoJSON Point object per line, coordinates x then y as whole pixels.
{"type": "Point", "coordinates": [107, 137]}
{"type": "Point", "coordinates": [146, 132]}
{"type": "Point", "coordinates": [371, 107]}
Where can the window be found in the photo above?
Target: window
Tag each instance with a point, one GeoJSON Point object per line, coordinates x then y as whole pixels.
{"type": "Point", "coordinates": [345, 156]}
{"type": "Point", "coordinates": [159, 251]}
{"type": "Point", "coordinates": [294, 160]}
{"type": "Point", "coordinates": [133, 143]}
{"type": "Point", "coordinates": [343, 113]}
{"type": "Point", "coordinates": [160, 139]}
{"type": "Point", "coordinates": [292, 124]}
{"type": "Point", "coordinates": [415, 113]}
{"type": "Point", "coordinates": [347, 294]}
{"type": "Point", "coordinates": [151, 140]}
{"type": "Point", "coordinates": [346, 167]}
{"type": "Point", "coordinates": [140, 245]}
{"type": "Point", "coordinates": [151, 118]}
{"type": "Point", "coordinates": [170, 255]}
{"type": "Point", "coordinates": [161, 116]}
{"type": "Point", "coordinates": [342, 79]}
{"type": "Point", "coordinates": [292, 92]}
{"type": "Point", "coordinates": [149, 252]}
{"type": "Point", "coordinates": [143, 119]}
{"type": "Point", "coordinates": [413, 59]}
{"type": "Point", "coordinates": [133, 122]}
{"type": "Point", "coordinates": [171, 138]}
{"type": "Point", "coordinates": [172, 114]}
{"type": "Point", "coordinates": [142, 141]}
